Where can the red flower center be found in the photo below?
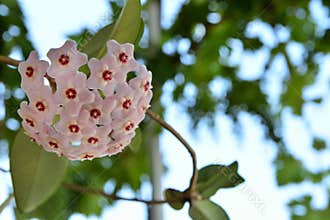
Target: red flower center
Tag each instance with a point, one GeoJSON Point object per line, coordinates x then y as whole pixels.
{"type": "Point", "coordinates": [129, 126]}
{"type": "Point", "coordinates": [40, 106]}
{"type": "Point", "coordinates": [95, 113]}
{"type": "Point", "coordinates": [127, 103]}
{"type": "Point", "coordinates": [146, 86]}
{"type": "Point", "coordinates": [87, 156]}
{"type": "Point", "coordinates": [29, 71]}
{"type": "Point", "coordinates": [123, 57]}
{"type": "Point", "coordinates": [53, 144]}
{"type": "Point", "coordinates": [30, 122]}
{"type": "Point", "coordinates": [93, 140]}
{"type": "Point", "coordinates": [74, 128]}
{"type": "Point", "coordinates": [107, 75]}
{"type": "Point", "coordinates": [71, 93]}
{"type": "Point", "coordinates": [64, 59]}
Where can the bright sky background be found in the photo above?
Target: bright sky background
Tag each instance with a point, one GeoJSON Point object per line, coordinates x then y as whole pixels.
{"type": "Point", "coordinates": [259, 198]}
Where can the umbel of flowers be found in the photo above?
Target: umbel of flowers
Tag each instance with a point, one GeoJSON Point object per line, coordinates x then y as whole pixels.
{"type": "Point", "coordinates": [84, 117]}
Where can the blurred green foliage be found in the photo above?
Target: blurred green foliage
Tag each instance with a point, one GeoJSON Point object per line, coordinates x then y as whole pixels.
{"type": "Point", "coordinates": [206, 39]}
{"type": "Point", "coordinates": [11, 42]}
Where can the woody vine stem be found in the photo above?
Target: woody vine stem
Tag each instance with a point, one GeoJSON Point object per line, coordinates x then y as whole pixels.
{"type": "Point", "coordinates": [191, 192]}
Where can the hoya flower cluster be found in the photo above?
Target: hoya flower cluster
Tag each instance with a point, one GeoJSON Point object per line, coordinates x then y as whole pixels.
{"type": "Point", "coordinates": [82, 117]}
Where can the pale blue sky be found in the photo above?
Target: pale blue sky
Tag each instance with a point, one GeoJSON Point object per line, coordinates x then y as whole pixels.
{"type": "Point", "coordinates": [49, 22]}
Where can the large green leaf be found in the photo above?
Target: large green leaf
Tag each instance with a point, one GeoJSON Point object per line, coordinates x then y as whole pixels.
{"type": "Point", "coordinates": [36, 174]}
{"type": "Point", "coordinates": [213, 177]}
{"type": "Point", "coordinates": [128, 28]}
{"type": "Point", "coordinates": [207, 210]}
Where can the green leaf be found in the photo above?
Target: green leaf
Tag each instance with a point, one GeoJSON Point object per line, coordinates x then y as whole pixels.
{"type": "Point", "coordinates": [58, 206]}
{"type": "Point", "coordinates": [207, 210]}
{"type": "Point", "coordinates": [35, 173]}
{"type": "Point", "coordinates": [213, 177]}
{"type": "Point", "coordinates": [19, 215]}
{"type": "Point", "coordinates": [176, 198]}
{"type": "Point", "coordinates": [91, 45]}
{"type": "Point", "coordinates": [140, 32]}
{"type": "Point", "coordinates": [129, 28]}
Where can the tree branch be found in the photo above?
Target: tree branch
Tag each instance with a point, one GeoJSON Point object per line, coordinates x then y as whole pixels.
{"type": "Point", "coordinates": [3, 170]}
{"type": "Point", "coordinates": [193, 180]}
{"type": "Point", "coordinates": [8, 60]}
{"type": "Point", "coordinates": [83, 189]}
{"type": "Point", "coordinates": [6, 202]}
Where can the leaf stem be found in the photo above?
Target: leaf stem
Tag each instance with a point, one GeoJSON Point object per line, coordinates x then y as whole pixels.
{"type": "Point", "coordinates": [6, 202]}
{"type": "Point", "coordinates": [8, 60]}
{"type": "Point", "coordinates": [193, 180]}
{"type": "Point", "coordinates": [83, 189]}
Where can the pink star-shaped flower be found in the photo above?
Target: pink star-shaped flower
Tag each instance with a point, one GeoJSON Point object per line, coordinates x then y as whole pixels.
{"type": "Point", "coordinates": [99, 136]}
{"type": "Point", "coordinates": [43, 103]}
{"type": "Point", "coordinates": [72, 93]}
{"type": "Point", "coordinates": [54, 141]}
{"type": "Point", "coordinates": [92, 146]}
{"type": "Point", "coordinates": [123, 54]}
{"type": "Point", "coordinates": [74, 127]}
{"type": "Point", "coordinates": [100, 110]}
{"type": "Point", "coordinates": [34, 137]}
{"type": "Point", "coordinates": [116, 146]}
{"type": "Point", "coordinates": [127, 100]}
{"type": "Point", "coordinates": [65, 59]}
{"type": "Point", "coordinates": [144, 102]}
{"type": "Point", "coordinates": [32, 71]}
{"type": "Point", "coordinates": [142, 81]}
{"type": "Point", "coordinates": [105, 74]}
{"type": "Point", "coordinates": [125, 125]}
{"type": "Point", "coordinates": [31, 122]}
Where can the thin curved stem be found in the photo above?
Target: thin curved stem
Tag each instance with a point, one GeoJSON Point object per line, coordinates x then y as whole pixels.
{"type": "Point", "coordinates": [6, 202]}
{"type": "Point", "coordinates": [9, 61]}
{"type": "Point", "coordinates": [164, 124]}
{"type": "Point", "coordinates": [83, 189]}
